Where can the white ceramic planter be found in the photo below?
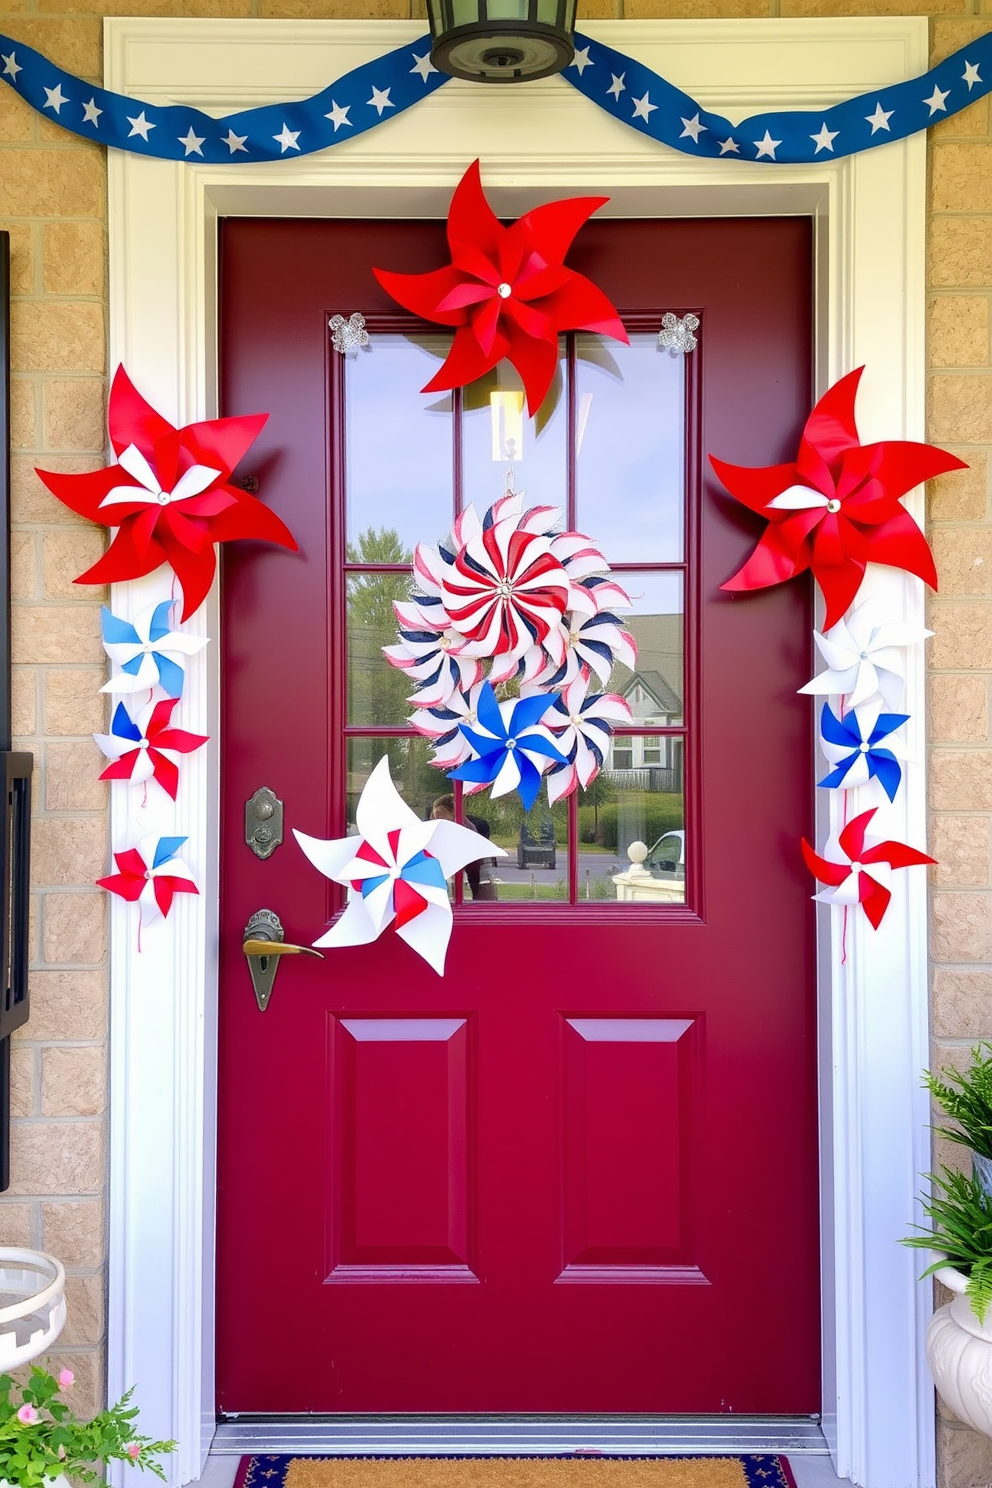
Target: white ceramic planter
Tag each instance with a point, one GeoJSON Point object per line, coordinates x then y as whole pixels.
{"type": "Point", "coordinates": [959, 1351]}
{"type": "Point", "coordinates": [32, 1304]}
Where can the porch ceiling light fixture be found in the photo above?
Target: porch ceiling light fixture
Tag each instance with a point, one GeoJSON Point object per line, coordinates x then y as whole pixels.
{"type": "Point", "coordinates": [501, 41]}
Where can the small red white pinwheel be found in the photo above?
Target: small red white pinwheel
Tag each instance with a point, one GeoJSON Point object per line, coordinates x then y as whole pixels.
{"type": "Point", "coordinates": [864, 873]}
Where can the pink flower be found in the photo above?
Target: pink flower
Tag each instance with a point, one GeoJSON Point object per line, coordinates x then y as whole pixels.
{"type": "Point", "coordinates": [134, 1451]}
{"type": "Point", "coordinates": [66, 1379]}
{"type": "Point", "coordinates": [27, 1414]}
{"type": "Point", "coordinates": [61, 1454]}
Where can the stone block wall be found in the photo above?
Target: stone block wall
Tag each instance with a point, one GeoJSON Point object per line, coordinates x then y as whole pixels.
{"type": "Point", "coordinates": [53, 200]}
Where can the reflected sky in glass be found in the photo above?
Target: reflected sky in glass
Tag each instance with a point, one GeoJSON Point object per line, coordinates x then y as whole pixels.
{"type": "Point", "coordinates": [398, 441]}
{"type": "Point", "coordinates": [630, 416]}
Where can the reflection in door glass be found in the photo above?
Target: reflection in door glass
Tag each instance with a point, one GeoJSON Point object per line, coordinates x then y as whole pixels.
{"type": "Point", "coordinates": [535, 868]}
{"type": "Point", "coordinates": [398, 444]}
{"type": "Point", "coordinates": [377, 692]}
{"type": "Point", "coordinates": [630, 436]}
{"type": "Point", "coordinates": [632, 824]}
{"type": "Point", "coordinates": [655, 689]}
{"type": "Point", "coordinates": [495, 427]}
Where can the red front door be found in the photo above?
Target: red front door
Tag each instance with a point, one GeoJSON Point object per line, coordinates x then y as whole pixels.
{"type": "Point", "coordinates": [567, 1176]}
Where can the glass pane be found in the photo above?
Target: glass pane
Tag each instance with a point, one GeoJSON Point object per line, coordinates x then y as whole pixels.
{"type": "Point", "coordinates": [656, 689]}
{"type": "Point", "coordinates": [630, 433]}
{"type": "Point", "coordinates": [536, 842]}
{"type": "Point", "coordinates": [377, 691]}
{"type": "Point", "coordinates": [398, 449]}
{"type": "Point", "coordinates": [631, 825]}
{"type": "Point", "coordinates": [495, 426]}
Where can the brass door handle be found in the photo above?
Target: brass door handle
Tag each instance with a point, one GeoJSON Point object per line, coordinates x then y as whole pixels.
{"type": "Point", "coordinates": [264, 947]}
{"type": "Point", "coordinates": [278, 948]}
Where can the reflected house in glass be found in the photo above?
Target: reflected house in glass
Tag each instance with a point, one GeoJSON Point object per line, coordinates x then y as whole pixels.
{"type": "Point", "coordinates": [654, 693]}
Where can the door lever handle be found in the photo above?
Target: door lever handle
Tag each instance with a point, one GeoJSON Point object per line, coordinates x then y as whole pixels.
{"type": "Point", "coordinates": [278, 948]}
{"type": "Point", "coordinates": [264, 947]}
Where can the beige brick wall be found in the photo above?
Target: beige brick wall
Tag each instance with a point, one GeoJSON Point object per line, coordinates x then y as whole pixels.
{"type": "Point", "coordinates": [52, 195]}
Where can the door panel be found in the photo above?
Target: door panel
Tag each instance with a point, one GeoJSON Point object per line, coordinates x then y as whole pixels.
{"type": "Point", "coordinates": [555, 1179]}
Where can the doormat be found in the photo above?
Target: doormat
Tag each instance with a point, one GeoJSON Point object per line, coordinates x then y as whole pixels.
{"type": "Point", "coordinates": [580, 1470]}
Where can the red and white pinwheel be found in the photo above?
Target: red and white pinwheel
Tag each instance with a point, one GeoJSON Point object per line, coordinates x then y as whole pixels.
{"type": "Point", "coordinates": [864, 873]}
{"type": "Point", "coordinates": [507, 290]}
{"type": "Point", "coordinates": [150, 875]}
{"type": "Point", "coordinates": [581, 725]}
{"type": "Point", "coordinates": [169, 495]}
{"type": "Point", "coordinates": [838, 507]}
{"type": "Point", "coordinates": [146, 748]}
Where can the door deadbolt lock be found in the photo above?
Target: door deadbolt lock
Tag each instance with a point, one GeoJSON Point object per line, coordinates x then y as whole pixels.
{"type": "Point", "coordinates": [264, 946]}
{"type": "Point", "coordinates": [263, 822]}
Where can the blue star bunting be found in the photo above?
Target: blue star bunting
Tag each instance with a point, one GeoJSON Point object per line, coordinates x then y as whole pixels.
{"type": "Point", "coordinates": [857, 758]}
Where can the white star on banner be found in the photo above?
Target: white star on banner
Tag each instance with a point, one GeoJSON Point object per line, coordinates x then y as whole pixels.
{"type": "Point", "coordinates": [879, 119]}
{"type": "Point", "coordinates": [191, 142]}
{"type": "Point", "coordinates": [970, 75]}
{"type": "Point", "coordinates": [55, 98]}
{"type": "Point", "coordinates": [91, 113]}
{"type": "Point", "coordinates": [235, 141]}
{"type": "Point", "coordinates": [339, 115]}
{"type": "Point", "coordinates": [380, 100]}
{"type": "Point", "coordinates": [582, 60]}
{"type": "Point", "coordinates": [644, 108]}
{"type": "Point", "coordinates": [937, 100]}
{"type": "Point", "coordinates": [140, 125]}
{"type": "Point", "coordinates": [11, 66]}
{"type": "Point", "coordinates": [617, 85]}
{"type": "Point", "coordinates": [729, 146]}
{"type": "Point", "coordinates": [286, 139]}
{"type": "Point", "coordinates": [766, 146]}
{"type": "Point", "coordinates": [422, 65]}
{"type": "Point", "coordinates": [693, 129]}
{"type": "Point", "coordinates": [825, 139]}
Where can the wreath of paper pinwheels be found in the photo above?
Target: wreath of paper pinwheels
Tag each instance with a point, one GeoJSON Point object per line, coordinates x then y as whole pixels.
{"type": "Point", "coordinates": [145, 749]}
{"type": "Point", "coordinates": [150, 875]}
{"type": "Point", "coordinates": [169, 496]}
{"type": "Point", "coordinates": [853, 745]}
{"type": "Point", "coordinates": [838, 507]}
{"type": "Point", "coordinates": [507, 598]}
{"type": "Point", "coordinates": [864, 874]}
{"type": "Point", "coordinates": [506, 291]}
{"type": "Point", "coordinates": [147, 650]}
{"type": "Point", "coordinates": [396, 871]}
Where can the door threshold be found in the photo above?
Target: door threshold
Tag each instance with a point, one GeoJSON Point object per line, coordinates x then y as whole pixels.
{"type": "Point", "coordinates": [517, 1436]}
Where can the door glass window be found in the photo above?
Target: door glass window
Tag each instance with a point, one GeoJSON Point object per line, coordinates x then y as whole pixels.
{"type": "Point", "coordinates": [608, 448]}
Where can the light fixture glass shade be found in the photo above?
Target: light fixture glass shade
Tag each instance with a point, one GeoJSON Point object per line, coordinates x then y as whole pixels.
{"type": "Point", "coordinates": [501, 41]}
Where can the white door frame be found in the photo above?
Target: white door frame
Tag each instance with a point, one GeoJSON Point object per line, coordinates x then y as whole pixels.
{"type": "Point", "coordinates": [536, 142]}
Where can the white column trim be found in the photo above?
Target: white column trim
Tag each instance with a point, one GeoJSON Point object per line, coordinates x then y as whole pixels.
{"type": "Point", "coordinates": [869, 214]}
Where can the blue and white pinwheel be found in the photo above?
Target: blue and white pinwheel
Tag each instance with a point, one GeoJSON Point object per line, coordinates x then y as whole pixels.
{"type": "Point", "coordinates": [852, 744]}
{"type": "Point", "coordinates": [396, 871]}
{"type": "Point", "coordinates": [146, 650]}
{"type": "Point", "coordinates": [512, 747]}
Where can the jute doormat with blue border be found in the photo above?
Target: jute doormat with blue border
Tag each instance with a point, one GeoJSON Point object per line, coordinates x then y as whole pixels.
{"type": "Point", "coordinates": [580, 1470]}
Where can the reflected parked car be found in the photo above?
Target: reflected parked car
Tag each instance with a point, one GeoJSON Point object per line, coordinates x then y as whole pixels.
{"type": "Point", "coordinates": [667, 855]}
{"type": "Point", "coordinates": [539, 851]}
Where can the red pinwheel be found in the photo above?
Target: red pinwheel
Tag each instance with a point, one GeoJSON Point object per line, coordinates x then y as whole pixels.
{"type": "Point", "coordinates": [507, 290]}
{"type": "Point", "coordinates": [169, 496]}
{"type": "Point", "coordinates": [865, 875]}
{"type": "Point", "coordinates": [838, 507]}
{"type": "Point", "coordinates": [146, 749]}
{"type": "Point", "coordinates": [150, 875]}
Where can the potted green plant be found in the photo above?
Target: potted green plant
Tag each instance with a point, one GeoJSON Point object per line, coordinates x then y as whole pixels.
{"type": "Point", "coordinates": [959, 1336]}
{"type": "Point", "coordinates": [966, 1098]}
{"type": "Point", "coordinates": [41, 1439]}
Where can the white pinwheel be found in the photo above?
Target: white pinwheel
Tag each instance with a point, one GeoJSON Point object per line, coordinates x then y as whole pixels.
{"type": "Point", "coordinates": [581, 726]}
{"type": "Point", "coordinates": [864, 656]}
{"type": "Point", "coordinates": [396, 871]}
{"type": "Point", "coordinates": [146, 651]}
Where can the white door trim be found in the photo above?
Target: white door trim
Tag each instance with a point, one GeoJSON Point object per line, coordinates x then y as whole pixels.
{"type": "Point", "coordinates": [535, 141]}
